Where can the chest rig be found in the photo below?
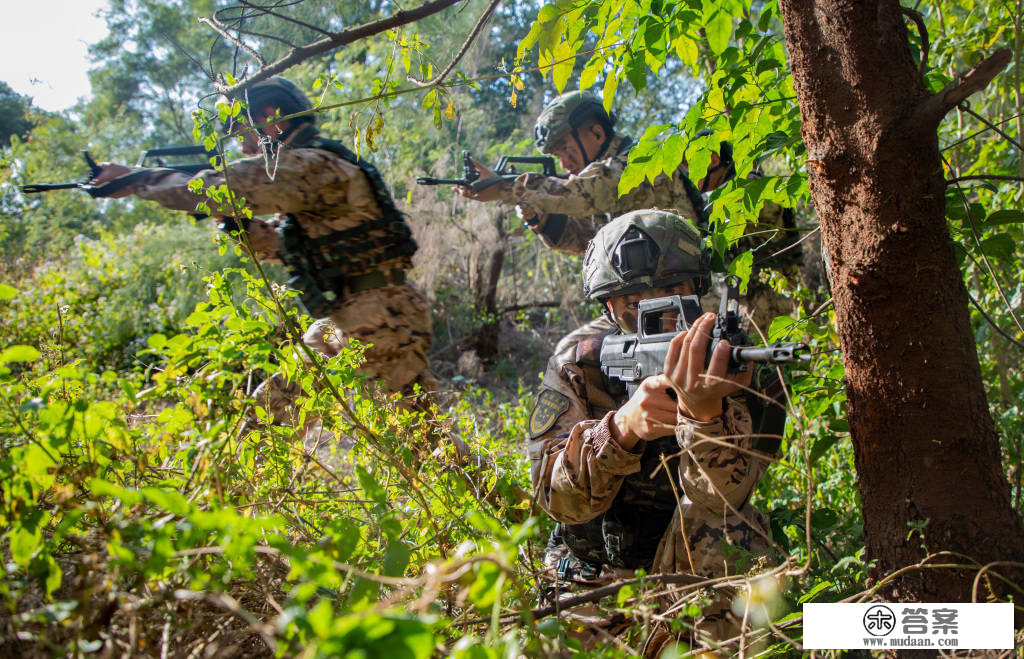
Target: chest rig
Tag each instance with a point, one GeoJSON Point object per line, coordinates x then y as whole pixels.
{"type": "Point", "coordinates": [326, 267]}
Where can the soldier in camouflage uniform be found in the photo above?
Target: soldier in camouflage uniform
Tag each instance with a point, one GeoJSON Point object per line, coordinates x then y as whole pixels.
{"type": "Point", "coordinates": [566, 213]}
{"type": "Point", "coordinates": [595, 456]}
{"type": "Point", "coordinates": [333, 224]}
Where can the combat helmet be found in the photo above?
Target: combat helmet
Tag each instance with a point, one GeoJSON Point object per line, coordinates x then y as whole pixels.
{"type": "Point", "coordinates": [641, 250]}
{"type": "Point", "coordinates": [281, 93]}
{"type": "Point", "coordinates": [564, 116]}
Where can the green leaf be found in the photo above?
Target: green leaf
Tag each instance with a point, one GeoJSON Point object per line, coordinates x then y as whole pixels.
{"type": "Point", "coordinates": [7, 292]}
{"type": "Point", "coordinates": [396, 559]}
{"type": "Point", "coordinates": [483, 591]}
{"type": "Point", "coordinates": [631, 177]}
{"type": "Point", "coordinates": [565, 60]}
{"type": "Point", "coordinates": [824, 518]}
{"type": "Point", "coordinates": [169, 500]}
{"type": "Point", "coordinates": [19, 353]}
{"type": "Point", "coordinates": [780, 328]}
{"type": "Point", "coordinates": [817, 588]}
{"type": "Point", "coordinates": [636, 72]}
{"type": "Point", "coordinates": [1004, 217]}
{"type": "Point", "coordinates": [718, 27]}
{"type": "Point", "coordinates": [23, 544]}
{"type": "Point", "coordinates": [741, 266]}
{"type": "Point", "coordinates": [822, 445]}
{"type": "Point", "coordinates": [1000, 247]}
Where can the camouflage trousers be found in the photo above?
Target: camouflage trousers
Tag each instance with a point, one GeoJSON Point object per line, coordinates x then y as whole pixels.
{"type": "Point", "coordinates": [394, 321]}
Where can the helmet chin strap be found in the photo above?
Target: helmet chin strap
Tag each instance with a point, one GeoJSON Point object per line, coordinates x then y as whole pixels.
{"type": "Point", "coordinates": [583, 152]}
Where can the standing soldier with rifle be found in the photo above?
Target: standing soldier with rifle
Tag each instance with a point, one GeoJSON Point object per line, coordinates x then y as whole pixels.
{"type": "Point", "coordinates": [335, 227]}
{"type": "Point", "coordinates": [596, 453]}
{"type": "Point", "coordinates": [566, 212]}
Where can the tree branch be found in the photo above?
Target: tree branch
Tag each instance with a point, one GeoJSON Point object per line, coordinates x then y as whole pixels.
{"type": "Point", "coordinates": [965, 106]}
{"type": "Point", "coordinates": [219, 29]}
{"type": "Point", "coordinates": [599, 593]}
{"type": "Point", "coordinates": [923, 32]}
{"type": "Point", "coordinates": [931, 112]}
{"type": "Point", "coordinates": [983, 177]}
{"type": "Point", "coordinates": [462, 51]}
{"type": "Point", "coordinates": [336, 40]}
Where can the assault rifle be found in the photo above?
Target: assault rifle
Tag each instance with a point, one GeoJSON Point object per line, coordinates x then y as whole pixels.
{"type": "Point", "coordinates": [109, 188]}
{"type": "Point", "coordinates": [505, 170]}
{"type": "Point", "coordinates": [629, 358]}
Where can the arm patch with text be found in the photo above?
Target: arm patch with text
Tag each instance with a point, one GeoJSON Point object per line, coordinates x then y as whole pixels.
{"type": "Point", "coordinates": [548, 407]}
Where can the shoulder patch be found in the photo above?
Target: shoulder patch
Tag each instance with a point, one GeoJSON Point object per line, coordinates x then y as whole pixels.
{"type": "Point", "coordinates": [546, 409]}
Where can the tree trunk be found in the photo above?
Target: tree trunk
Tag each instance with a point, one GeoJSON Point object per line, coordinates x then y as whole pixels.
{"type": "Point", "coordinates": [925, 446]}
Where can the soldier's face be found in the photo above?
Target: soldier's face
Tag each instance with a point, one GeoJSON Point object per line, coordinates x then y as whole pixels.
{"type": "Point", "coordinates": [567, 150]}
{"type": "Point", "coordinates": [251, 139]}
{"type": "Point", "coordinates": [624, 307]}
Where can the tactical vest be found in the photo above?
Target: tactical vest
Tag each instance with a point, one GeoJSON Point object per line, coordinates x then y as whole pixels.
{"type": "Point", "coordinates": [325, 267]}
{"type": "Point", "coordinates": [628, 534]}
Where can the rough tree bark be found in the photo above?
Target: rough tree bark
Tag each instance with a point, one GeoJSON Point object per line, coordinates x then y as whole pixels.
{"type": "Point", "coordinates": [924, 442]}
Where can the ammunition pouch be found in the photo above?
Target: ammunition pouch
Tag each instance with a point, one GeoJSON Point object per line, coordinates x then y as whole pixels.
{"type": "Point", "coordinates": [321, 267]}
{"type": "Point", "coordinates": [628, 534]}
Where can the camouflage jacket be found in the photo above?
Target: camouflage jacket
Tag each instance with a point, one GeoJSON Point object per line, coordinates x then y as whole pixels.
{"type": "Point", "coordinates": [568, 212]}
{"type": "Point", "coordinates": [323, 192]}
{"type": "Point", "coordinates": [618, 506]}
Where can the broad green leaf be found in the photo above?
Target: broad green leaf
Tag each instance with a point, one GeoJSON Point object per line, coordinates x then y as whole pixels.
{"type": "Point", "coordinates": [19, 353]}
{"type": "Point", "coordinates": [825, 443]}
{"type": "Point", "coordinates": [7, 292]}
{"type": "Point", "coordinates": [611, 83]}
{"type": "Point", "coordinates": [999, 247]}
{"type": "Point", "coordinates": [672, 154]}
{"type": "Point", "coordinates": [632, 176]}
{"type": "Point", "coordinates": [1010, 216]}
{"type": "Point", "coordinates": [817, 588]}
{"type": "Point", "coordinates": [23, 544]}
{"type": "Point", "coordinates": [741, 266]}
{"type": "Point", "coordinates": [396, 559]}
{"type": "Point", "coordinates": [590, 72]}
{"type": "Point", "coordinates": [564, 61]}
{"type": "Point", "coordinates": [169, 500]}
{"type": "Point", "coordinates": [718, 27]}
{"type": "Point", "coordinates": [687, 51]}
{"type": "Point", "coordinates": [483, 591]}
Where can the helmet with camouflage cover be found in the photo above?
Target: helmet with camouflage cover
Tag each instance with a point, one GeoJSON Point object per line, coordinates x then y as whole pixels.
{"type": "Point", "coordinates": [641, 250]}
{"type": "Point", "coordinates": [282, 94]}
{"type": "Point", "coordinates": [566, 114]}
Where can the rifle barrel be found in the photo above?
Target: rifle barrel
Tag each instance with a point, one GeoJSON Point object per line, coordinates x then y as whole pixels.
{"type": "Point", "coordinates": [775, 353]}
{"type": "Point", "coordinates": [429, 180]}
{"type": "Point", "coordinates": [35, 188]}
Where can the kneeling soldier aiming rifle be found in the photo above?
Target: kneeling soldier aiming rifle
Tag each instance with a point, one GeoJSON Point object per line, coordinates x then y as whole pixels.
{"type": "Point", "coordinates": [660, 479]}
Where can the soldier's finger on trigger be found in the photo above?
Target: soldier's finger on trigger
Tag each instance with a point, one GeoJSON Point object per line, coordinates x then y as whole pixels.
{"type": "Point", "coordinates": [697, 348]}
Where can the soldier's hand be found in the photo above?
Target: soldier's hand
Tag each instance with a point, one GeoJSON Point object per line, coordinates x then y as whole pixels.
{"type": "Point", "coordinates": [649, 414]}
{"type": "Point", "coordinates": [700, 391]}
{"type": "Point", "coordinates": [108, 172]}
{"type": "Point", "coordinates": [490, 193]}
